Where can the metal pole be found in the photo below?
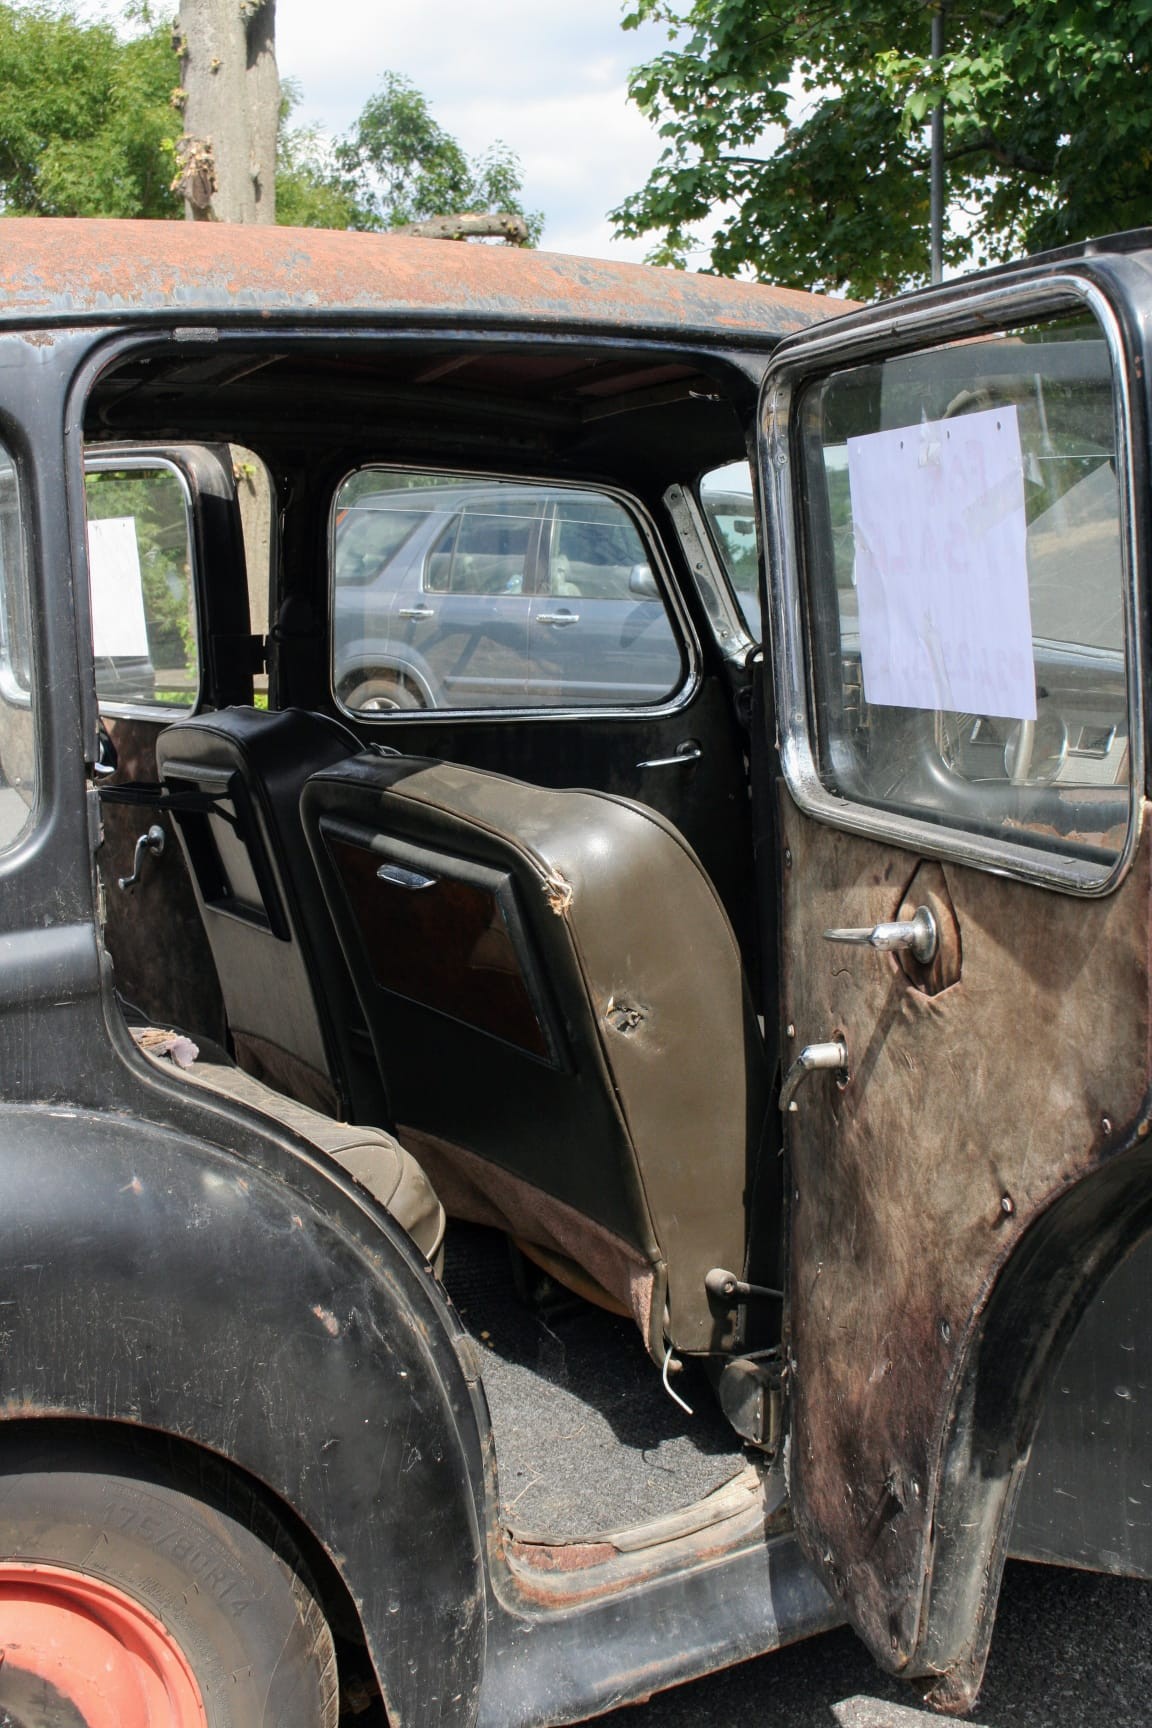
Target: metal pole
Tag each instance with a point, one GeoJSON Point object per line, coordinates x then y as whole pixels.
{"type": "Point", "coordinates": [936, 203]}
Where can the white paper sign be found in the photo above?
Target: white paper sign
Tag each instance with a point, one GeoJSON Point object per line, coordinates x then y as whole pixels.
{"type": "Point", "coordinates": [118, 625]}
{"type": "Point", "coordinates": [941, 566]}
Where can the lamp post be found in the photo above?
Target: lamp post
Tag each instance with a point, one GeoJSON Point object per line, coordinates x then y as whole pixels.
{"type": "Point", "coordinates": [936, 200]}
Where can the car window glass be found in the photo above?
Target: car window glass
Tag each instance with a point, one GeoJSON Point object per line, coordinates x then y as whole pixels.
{"type": "Point", "coordinates": [966, 587]}
{"type": "Point", "coordinates": [140, 573]}
{"type": "Point", "coordinates": [17, 711]}
{"type": "Point", "coordinates": [451, 592]}
{"type": "Point", "coordinates": [729, 508]}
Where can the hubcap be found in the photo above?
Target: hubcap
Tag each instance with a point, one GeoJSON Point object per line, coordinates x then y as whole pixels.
{"type": "Point", "coordinates": [67, 1635]}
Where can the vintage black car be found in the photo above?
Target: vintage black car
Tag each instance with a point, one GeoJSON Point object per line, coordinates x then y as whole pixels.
{"type": "Point", "coordinates": [517, 1201]}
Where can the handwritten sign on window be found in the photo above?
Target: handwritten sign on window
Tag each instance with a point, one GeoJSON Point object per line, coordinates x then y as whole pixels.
{"type": "Point", "coordinates": [941, 566]}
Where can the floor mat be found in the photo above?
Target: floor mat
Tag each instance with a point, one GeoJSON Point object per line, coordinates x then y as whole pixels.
{"type": "Point", "coordinates": [587, 1439]}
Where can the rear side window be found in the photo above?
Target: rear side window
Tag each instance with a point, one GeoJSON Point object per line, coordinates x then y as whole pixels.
{"type": "Point", "coordinates": [140, 570]}
{"type": "Point", "coordinates": [17, 706]}
{"type": "Point", "coordinates": [458, 593]}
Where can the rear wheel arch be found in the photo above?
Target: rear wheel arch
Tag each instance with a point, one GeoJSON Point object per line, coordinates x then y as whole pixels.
{"type": "Point", "coordinates": [264, 1305]}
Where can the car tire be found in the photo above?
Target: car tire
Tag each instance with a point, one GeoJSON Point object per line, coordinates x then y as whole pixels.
{"type": "Point", "coordinates": [381, 695]}
{"type": "Point", "coordinates": [127, 1598]}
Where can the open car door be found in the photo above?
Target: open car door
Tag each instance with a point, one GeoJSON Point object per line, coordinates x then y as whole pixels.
{"type": "Point", "coordinates": [957, 502]}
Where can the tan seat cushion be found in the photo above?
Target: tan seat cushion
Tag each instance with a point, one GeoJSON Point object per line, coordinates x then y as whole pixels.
{"type": "Point", "coordinates": [377, 1161]}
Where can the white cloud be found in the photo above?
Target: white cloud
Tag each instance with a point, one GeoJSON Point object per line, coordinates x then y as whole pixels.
{"type": "Point", "coordinates": [548, 79]}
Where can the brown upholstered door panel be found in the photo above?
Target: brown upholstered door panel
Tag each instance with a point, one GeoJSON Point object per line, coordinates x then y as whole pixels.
{"type": "Point", "coordinates": [956, 621]}
{"type": "Point", "coordinates": [966, 1114]}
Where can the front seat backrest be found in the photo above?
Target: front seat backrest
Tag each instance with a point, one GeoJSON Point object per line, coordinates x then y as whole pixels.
{"type": "Point", "coordinates": [291, 1008]}
{"type": "Point", "coordinates": [560, 1013]}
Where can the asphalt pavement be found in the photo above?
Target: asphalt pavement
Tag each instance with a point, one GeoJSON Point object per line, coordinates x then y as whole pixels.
{"type": "Point", "coordinates": [1070, 1650]}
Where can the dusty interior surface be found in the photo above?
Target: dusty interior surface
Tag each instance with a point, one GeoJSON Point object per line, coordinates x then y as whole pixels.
{"type": "Point", "coordinates": [965, 1114]}
{"type": "Point", "coordinates": [587, 1439]}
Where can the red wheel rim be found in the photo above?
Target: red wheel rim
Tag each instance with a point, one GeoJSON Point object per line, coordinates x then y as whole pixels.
{"type": "Point", "coordinates": [95, 1646]}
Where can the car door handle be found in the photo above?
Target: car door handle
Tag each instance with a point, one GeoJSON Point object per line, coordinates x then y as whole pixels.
{"type": "Point", "coordinates": [918, 934]}
{"type": "Point", "coordinates": [689, 751]}
{"type": "Point", "coordinates": [416, 612]}
{"type": "Point", "coordinates": [559, 619]}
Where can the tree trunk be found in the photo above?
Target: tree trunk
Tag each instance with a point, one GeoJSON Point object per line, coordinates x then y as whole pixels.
{"type": "Point", "coordinates": [231, 96]}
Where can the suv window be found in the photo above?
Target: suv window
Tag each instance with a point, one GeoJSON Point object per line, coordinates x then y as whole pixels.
{"type": "Point", "coordinates": [966, 587]}
{"type": "Point", "coordinates": [465, 593]}
{"type": "Point", "coordinates": [140, 572]}
{"type": "Point", "coordinates": [17, 713]}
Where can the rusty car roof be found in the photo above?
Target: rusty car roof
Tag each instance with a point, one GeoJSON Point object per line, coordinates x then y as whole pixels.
{"type": "Point", "coordinates": [62, 271]}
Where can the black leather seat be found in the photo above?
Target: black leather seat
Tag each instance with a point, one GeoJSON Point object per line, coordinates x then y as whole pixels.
{"type": "Point", "coordinates": [560, 1013]}
{"type": "Point", "coordinates": [292, 1012]}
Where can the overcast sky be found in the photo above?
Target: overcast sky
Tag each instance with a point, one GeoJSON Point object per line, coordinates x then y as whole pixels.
{"type": "Point", "coordinates": [548, 77]}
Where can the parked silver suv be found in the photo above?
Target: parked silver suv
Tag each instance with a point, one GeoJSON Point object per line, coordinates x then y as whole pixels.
{"type": "Point", "coordinates": [496, 594]}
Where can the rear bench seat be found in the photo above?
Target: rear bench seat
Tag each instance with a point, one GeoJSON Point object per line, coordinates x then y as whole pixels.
{"type": "Point", "coordinates": [369, 1155]}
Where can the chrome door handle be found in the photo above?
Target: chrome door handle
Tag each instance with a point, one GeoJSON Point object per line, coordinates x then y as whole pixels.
{"type": "Point", "coordinates": [559, 619]}
{"type": "Point", "coordinates": [416, 612]}
{"type": "Point", "coordinates": [689, 751]}
{"type": "Point", "coordinates": [813, 1057]}
{"type": "Point", "coordinates": [918, 934]}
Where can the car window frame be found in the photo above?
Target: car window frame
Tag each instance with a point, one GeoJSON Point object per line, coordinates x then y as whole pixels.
{"type": "Point", "coordinates": [671, 595]}
{"type": "Point", "coordinates": [141, 462]}
{"type": "Point", "coordinates": [979, 313]}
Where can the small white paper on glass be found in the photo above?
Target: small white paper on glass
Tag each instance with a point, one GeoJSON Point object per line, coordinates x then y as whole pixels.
{"type": "Point", "coordinates": [118, 624]}
{"type": "Point", "coordinates": [941, 566]}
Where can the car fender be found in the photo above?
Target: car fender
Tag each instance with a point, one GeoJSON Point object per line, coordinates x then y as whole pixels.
{"type": "Point", "coordinates": [257, 1302]}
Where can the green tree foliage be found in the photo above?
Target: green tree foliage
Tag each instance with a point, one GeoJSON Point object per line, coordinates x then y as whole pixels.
{"type": "Point", "coordinates": [89, 118]}
{"type": "Point", "coordinates": [87, 122]}
{"type": "Point", "coordinates": [401, 166]}
{"type": "Point", "coordinates": [800, 134]}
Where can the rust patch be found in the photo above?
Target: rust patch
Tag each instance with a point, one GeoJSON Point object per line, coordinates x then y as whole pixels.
{"type": "Point", "coordinates": [564, 1557]}
{"type": "Point", "coordinates": [64, 270]}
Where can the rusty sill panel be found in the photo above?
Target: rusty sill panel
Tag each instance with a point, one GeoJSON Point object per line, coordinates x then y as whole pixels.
{"type": "Point", "coordinates": [67, 271]}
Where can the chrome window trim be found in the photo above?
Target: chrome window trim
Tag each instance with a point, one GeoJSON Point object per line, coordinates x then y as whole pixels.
{"type": "Point", "coordinates": [708, 575]}
{"type": "Point", "coordinates": [140, 463]}
{"type": "Point", "coordinates": [825, 352]}
{"type": "Point", "coordinates": [676, 700]}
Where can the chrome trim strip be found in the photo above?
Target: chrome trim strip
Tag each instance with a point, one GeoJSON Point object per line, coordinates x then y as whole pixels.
{"type": "Point", "coordinates": [823, 352]}
{"type": "Point", "coordinates": [707, 573]}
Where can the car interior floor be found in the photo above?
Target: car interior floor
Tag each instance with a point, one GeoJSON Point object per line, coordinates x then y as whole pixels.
{"type": "Point", "coordinates": [587, 1438]}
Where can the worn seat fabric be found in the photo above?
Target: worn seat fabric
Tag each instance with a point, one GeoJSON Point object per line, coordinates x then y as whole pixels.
{"type": "Point", "coordinates": [291, 1009]}
{"type": "Point", "coordinates": [391, 1175]}
{"type": "Point", "coordinates": [559, 1009]}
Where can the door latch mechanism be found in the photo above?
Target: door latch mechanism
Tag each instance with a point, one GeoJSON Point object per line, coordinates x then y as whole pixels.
{"type": "Point", "coordinates": [832, 1056]}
